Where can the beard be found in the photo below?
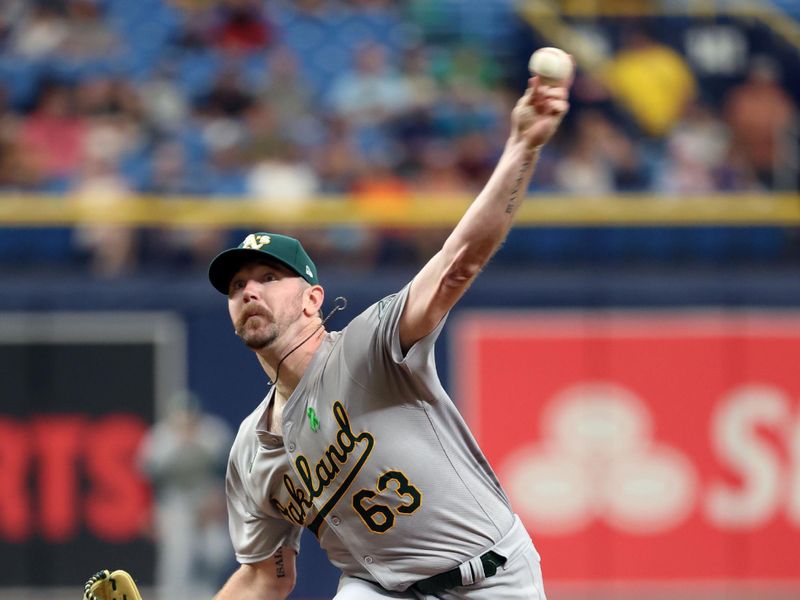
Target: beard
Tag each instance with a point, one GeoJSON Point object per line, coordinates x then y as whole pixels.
{"type": "Point", "coordinates": [257, 338]}
{"type": "Point", "coordinates": [258, 328]}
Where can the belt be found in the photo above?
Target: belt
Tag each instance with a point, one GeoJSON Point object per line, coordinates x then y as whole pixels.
{"type": "Point", "coordinates": [452, 578]}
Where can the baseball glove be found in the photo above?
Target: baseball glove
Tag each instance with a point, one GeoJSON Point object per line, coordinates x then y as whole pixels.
{"type": "Point", "coordinates": [118, 585]}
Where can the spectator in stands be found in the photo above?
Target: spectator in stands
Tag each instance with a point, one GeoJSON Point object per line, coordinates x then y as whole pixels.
{"type": "Point", "coordinates": [683, 175]}
{"type": "Point", "coordinates": [226, 163]}
{"type": "Point", "coordinates": [88, 35]}
{"type": "Point", "coordinates": [652, 80]}
{"type": "Point", "coordinates": [264, 133]}
{"type": "Point", "coordinates": [12, 14]}
{"type": "Point", "coordinates": [228, 96]}
{"type": "Point", "coordinates": [759, 112]}
{"type": "Point", "coordinates": [284, 89]}
{"type": "Point", "coordinates": [371, 94]}
{"type": "Point", "coordinates": [282, 176]}
{"type": "Point", "coordinates": [438, 173]}
{"type": "Point", "coordinates": [113, 117]}
{"type": "Point", "coordinates": [19, 170]}
{"type": "Point", "coordinates": [219, 115]}
{"type": "Point", "coordinates": [414, 128]}
{"type": "Point", "coordinates": [241, 26]}
{"type": "Point", "coordinates": [165, 107]}
{"type": "Point", "coordinates": [625, 159]}
{"type": "Point", "coordinates": [54, 134]}
{"type": "Point", "coordinates": [416, 74]}
{"type": "Point", "coordinates": [583, 171]}
{"type": "Point", "coordinates": [736, 174]}
{"type": "Point", "coordinates": [470, 65]}
{"type": "Point", "coordinates": [697, 149]}
{"type": "Point", "coordinates": [41, 32]}
{"type": "Point", "coordinates": [474, 154]}
{"type": "Point", "coordinates": [337, 158]}
{"type": "Point", "coordinates": [195, 33]}
{"type": "Point", "coordinates": [600, 159]}
{"type": "Point", "coordinates": [378, 184]}
{"type": "Point", "coordinates": [101, 95]}
{"type": "Point", "coordinates": [169, 173]}
{"type": "Point", "coordinates": [466, 108]}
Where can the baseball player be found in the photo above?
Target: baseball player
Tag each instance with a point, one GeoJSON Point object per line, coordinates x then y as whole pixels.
{"type": "Point", "coordinates": [357, 440]}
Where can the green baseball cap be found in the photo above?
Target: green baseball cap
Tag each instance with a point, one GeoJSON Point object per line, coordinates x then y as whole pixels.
{"type": "Point", "coordinates": [286, 250]}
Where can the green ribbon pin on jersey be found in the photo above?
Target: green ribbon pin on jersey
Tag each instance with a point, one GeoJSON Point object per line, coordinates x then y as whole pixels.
{"type": "Point", "coordinates": [313, 421]}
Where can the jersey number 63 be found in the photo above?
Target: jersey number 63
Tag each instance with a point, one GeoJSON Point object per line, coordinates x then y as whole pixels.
{"type": "Point", "coordinates": [380, 518]}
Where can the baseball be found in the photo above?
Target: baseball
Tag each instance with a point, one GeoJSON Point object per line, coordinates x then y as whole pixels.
{"type": "Point", "coordinates": [552, 65]}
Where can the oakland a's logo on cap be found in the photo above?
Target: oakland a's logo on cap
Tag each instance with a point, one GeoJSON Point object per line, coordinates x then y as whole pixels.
{"type": "Point", "coordinates": [255, 241]}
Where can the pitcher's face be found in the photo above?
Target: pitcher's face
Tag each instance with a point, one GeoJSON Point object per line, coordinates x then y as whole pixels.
{"type": "Point", "coordinates": [264, 300]}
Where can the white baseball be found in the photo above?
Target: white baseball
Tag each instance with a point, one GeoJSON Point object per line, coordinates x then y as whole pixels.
{"type": "Point", "coordinates": [552, 65]}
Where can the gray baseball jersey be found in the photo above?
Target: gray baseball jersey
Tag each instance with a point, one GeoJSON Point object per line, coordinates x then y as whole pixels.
{"type": "Point", "coordinates": [373, 458]}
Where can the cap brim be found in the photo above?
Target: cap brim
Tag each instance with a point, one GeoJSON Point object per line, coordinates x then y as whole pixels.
{"type": "Point", "coordinates": [225, 265]}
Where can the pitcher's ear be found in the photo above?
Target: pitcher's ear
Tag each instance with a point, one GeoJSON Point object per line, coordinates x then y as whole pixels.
{"type": "Point", "coordinates": [313, 298]}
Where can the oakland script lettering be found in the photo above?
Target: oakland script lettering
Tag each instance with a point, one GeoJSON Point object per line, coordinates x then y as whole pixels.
{"type": "Point", "coordinates": [315, 480]}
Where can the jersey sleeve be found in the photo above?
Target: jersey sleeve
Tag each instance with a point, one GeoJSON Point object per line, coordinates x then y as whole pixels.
{"type": "Point", "coordinates": [372, 340]}
{"type": "Point", "coordinates": [255, 536]}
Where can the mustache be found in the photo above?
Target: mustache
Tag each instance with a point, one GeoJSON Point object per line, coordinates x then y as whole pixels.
{"type": "Point", "coordinates": [252, 311]}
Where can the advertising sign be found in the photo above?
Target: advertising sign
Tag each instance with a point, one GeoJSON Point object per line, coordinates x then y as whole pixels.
{"type": "Point", "coordinates": [78, 393]}
{"type": "Point", "coordinates": [643, 446]}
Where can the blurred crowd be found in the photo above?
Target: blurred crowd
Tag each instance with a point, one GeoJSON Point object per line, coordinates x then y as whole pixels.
{"type": "Point", "coordinates": [288, 100]}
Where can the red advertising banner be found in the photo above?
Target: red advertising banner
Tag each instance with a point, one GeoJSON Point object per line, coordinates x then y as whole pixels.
{"type": "Point", "coordinates": [643, 446]}
{"type": "Point", "coordinates": [78, 393]}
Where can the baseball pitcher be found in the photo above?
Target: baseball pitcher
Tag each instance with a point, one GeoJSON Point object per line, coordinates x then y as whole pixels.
{"type": "Point", "coordinates": [356, 439]}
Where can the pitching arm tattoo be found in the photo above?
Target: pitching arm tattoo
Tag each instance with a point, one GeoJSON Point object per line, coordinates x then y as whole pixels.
{"type": "Point", "coordinates": [512, 201]}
